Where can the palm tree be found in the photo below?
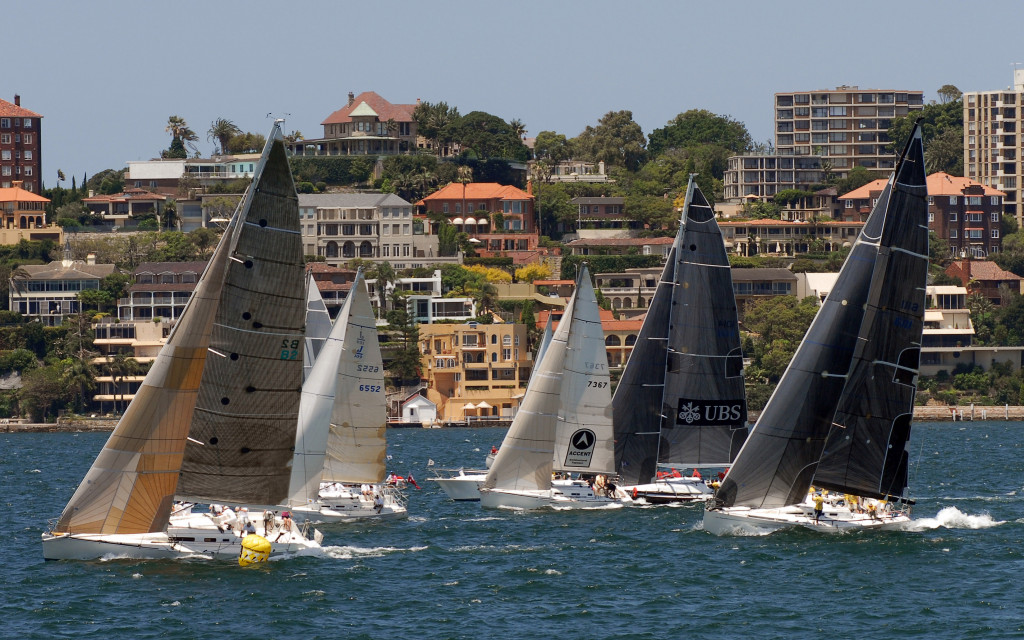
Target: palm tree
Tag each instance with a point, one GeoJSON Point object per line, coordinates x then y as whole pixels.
{"type": "Point", "coordinates": [179, 129]}
{"type": "Point", "coordinates": [121, 366]}
{"type": "Point", "coordinates": [518, 128]}
{"type": "Point", "coordinates": [294, 136]}
{"type": "Point", "coordinates": [221, 131]}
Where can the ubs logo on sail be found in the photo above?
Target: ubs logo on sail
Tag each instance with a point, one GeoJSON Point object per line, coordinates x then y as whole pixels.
{"type": "Point", "coordinates": [581, 448]}
{"type": "Point", "coordinates": [695, 413]}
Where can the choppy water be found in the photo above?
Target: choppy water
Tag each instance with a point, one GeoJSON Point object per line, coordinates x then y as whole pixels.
{"type": "Point", "coordinates": [455, 571]}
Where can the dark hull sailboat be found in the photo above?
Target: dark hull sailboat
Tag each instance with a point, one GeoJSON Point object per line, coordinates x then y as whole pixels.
{"type": "Point", "coordinates": [681, 400]}
{"type": "Point", "coordinates": [840, 416]}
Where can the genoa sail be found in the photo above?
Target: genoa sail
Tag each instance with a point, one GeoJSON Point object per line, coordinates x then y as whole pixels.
{"type": "Point", "coordinates": [822, 409]}
{"type": "Point", "coordinates": [636, 405]}
{"type": "Point", "coordinates": [584, 439]}
{"type": "Point", "coordinates": [318, 325]}
{"type": "Point", "coordinates": [704, 406]}
{"type": "Point", "coordinates": [356, 444]}
{"type": "Point", "coordinates": [243, 429]}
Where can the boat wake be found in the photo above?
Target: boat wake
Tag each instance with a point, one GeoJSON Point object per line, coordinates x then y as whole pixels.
{"type": "Point", "coordinates": [597, 507]}
{"type": "Point", "coordinates": [953, 518]}
{"type": "Point", "coordinates": [347, 553]}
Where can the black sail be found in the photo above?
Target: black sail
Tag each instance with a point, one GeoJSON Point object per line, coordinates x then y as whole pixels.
{"type": "Point", "coordinates": [636, 404]}
{"type": "Point", "coordinates": [681, 399]}
{"type": "Point", "coordinates": [866, 452]}
{"type": "Point", "coordinates": [704, 409]}
{"type": "Point", "coordinates": [242, 435]}
{"type": "Point", "coordinates": [878, 285]}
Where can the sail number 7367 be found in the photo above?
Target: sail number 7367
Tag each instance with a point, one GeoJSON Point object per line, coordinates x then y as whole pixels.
{"type": "Point", "coordinates": [600, 384]}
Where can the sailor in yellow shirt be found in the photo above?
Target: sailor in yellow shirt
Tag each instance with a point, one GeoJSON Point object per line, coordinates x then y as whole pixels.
{"type": "Point", "coordinates": [819, 506]}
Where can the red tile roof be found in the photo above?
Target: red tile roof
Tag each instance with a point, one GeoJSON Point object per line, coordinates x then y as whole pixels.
{"type": "Point", "coordinates": [943, 184]}
{"type": "Point", "coordinates": [864, 192]}
{"type": "Point", "coordinates": [477, 191]}
{"type": "Point", "coordinates": [981, 270]}
{"type": "Point", "coordinates": [17, 194]}
{"type": "Point", "coordinates": [11, 110]}
{"type": "Point", "coordinates": [385, 110]}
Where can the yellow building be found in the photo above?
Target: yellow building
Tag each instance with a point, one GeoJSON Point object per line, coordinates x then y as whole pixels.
{"type": "Point", "coordinates": [475, 371]}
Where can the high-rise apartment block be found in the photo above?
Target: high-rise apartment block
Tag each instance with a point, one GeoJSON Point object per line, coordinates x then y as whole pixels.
{"type": "Point", "coordinates": [19, 146]}
{"type": "Point", "coordinates": [846, 126]}
{"type": "Point", "coordinates": [992, 141]}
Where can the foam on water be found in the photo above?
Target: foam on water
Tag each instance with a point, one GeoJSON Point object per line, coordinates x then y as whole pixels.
{"type": "Point", "coordinates": [347, 553]}
{"type": "Point", "coordinates": [953, 518]}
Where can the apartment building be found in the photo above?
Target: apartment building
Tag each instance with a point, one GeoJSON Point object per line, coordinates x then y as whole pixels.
{"type": "Point", "coordinates": [993, 144]}
{"type": "Point", "coordinates": [119, 381]}
{"type": "Point", "coordinates": [368, 226]}
{"type": "Point", "coordinates": [788, 237]}
{"type": "Point", "coordinates": [483, 365]}
{"type": "Point", "coordinates": [499, 219]}
{"type": "Point", "coordinates": [20, 146]}
{"type": "Point", "coordinates": [160, 291]}
{"type": "Point", "coordinates": [965, 213]}
{"type": "Point", "coordinates": [49, 292]}
{"type": "Point", "coordinates": [947, 340]}
{"type": "Point", "coordinates": [759, 176]}
{"type": "Point", "coordinates": [124, 210]}
{"type": "Point", "coordinates": [23, 216]}
{"type": "Point", "coordinates": [846, 126]}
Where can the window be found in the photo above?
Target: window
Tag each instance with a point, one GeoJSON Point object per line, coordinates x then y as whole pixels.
{"type": "Point", "coordinates": [5, 123]}
{"type": "Point", "coordinates": [952, 199]}
{"type": "Point", "coordinates": [974, 200]}
{"type": "Point", "coordinates": [952, 233]}
{"type": "Point", "coordinates": [506, 354]}
{"type": "Point", "coordinates": [973, 217]}
{"type": "Point", "coordinates": [931, 200]}
{"type": "Point", "coordinates": [494, 338]}
{"type": "Point", "coordinates": [28, 156]}
{"type": "Point", "coordinates": [28, 123]}
{"type": "Point", "coordinates": [5, 138]}
{"type": "Point", "coordinates": [6, 171]}
{"type": "Point", "coordinates": [995, 233]}
{"type": "Point", "coordinates": [444, 207]}
{"type": "Point", "coordinates": [849, 204]}
{"type": "Point", "coordinates": [28, 172]}
{"type": "Point", "coordinates": [931, 217]}
{"type": "Point", "coordinates": [994, 200]}
{"type": "Point", "coordinates": [952, 216]}
{"type": "Point", "coordinates": [506, 340]}
{"type": "Point", "coordinates": [995, 217]}
{"type": "Point", "coordinates": [5, 154]}
{"type": "Point", "coordinates": [28, 138]}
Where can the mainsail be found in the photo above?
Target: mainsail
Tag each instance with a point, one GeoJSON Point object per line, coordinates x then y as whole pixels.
{"type": "Point", "coordinates": [681, 399]}
{"type": "Point", "coordinates": [564, 421]}
{"type": "Point", "coordinates": [243, 430]}
{"type": "Point", "coordinates": [860, 356]}
{"type": "Point", "coordinates": [704, 407]}
{"type": "Point", "coordinates": [318, 325]}
{"type": "Point", "coordinates": [356, 444]}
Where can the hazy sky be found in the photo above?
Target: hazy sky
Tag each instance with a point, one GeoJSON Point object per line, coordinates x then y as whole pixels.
{"type": "Point", "coordinates": [106, 75]}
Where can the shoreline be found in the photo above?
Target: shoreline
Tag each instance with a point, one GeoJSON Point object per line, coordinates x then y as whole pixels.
{"type": "Point", "coordinates": [967, 413]}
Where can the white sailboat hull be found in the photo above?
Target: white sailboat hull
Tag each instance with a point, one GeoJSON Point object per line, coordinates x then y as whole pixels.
{"type": "Point", "coordinates": [347, 504]}
{"type": "Point", "coordinates": [746, 521]}
{"type": "Point", "coordinates": [463, 487]}
{"type": "Point", "coordinates": [668, 490]}
{"type": "Point", "coordinates": [566, 496]}
{"type": "Point", "coordinates": [176, 542]}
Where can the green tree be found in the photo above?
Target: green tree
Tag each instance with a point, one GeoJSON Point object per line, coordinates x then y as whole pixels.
{"type": "Point", "coordinates": [777, 324]}
{"type": "Point", "coordinates": [550, 148]}
{"type": "Point", "coordinates": [222, 130]}
{"type": "Point", "coordinates": [488, 136]}
{"type": "Point", "coordinates": [246, 143]}
{"type": "Point", "coordinates": [616, 140]}
{"type": "Point", "coordinates": [700, 127]}
{"type": "Point", "coordinates": [405, 360]}
{"type": "Point", "coordinates": [435, 122]}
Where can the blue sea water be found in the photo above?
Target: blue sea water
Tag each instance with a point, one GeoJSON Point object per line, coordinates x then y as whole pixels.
{"type": "Point", "coordinates": [453, 570]}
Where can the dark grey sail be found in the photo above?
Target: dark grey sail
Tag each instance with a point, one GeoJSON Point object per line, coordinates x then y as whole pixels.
{"type": "Point", "coordinates": [866, 452]}
{"type": "Point", "coordinates": [704, 409]}
{"type": "Point", "coordinates": [636, 404]}
{"type": "Point", "coordinates": [243, 430]}
{"type": "Point", "coordinates": [873, 299]}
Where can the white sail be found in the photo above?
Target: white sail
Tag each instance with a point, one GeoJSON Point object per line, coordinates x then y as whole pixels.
{"type": "Point", "coordinates": [318, 325]}
{"type": "Point", "coordinates": [316, 407]}
{"type": "Point", "coordinates": [524, 461]}
{"type": "Point", "coordinates": [584, 440]}
{"type": "Point", "coordinates": [356, 445]}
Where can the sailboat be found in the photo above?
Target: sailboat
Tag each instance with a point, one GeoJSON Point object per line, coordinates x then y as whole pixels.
{"type": "Point", "coordinates": [680, 401]}
{"type": "Point", "coordinates": [464, 484]}
{"type": "Point", "coordinates": [341, 427]}
{"type": "Point", "coordinates": [215, 418]}
{"type": "Point", "coordinates": [839, 419]}
{"type": "Point", "coordinates": [564, 422]}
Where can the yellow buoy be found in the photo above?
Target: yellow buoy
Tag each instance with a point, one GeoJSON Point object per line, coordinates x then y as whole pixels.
{"type": "Point", "coordinates": [255, 549]}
